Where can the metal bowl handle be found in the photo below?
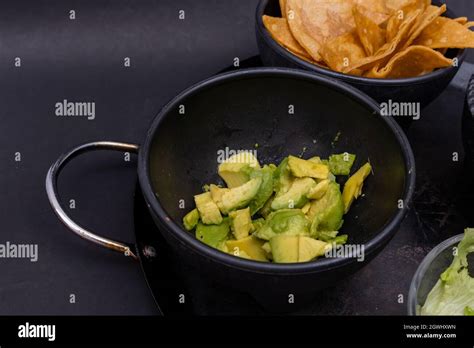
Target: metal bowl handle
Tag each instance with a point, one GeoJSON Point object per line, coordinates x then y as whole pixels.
{"type": "Point", "coordinates": [52, 192]}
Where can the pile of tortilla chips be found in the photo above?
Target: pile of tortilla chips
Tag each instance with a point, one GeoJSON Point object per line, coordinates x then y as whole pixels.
{"type": "Point", "coordinates": [370, 38]}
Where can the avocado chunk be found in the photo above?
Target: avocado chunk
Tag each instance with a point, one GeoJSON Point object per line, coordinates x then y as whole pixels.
{"type": "Point", "coordinates": [302, 168]}
{"type": "Point", "coordinates": [341, 164]}
{"type": "Point", "coordinates": [266, 188]}
{"type": "Point", "coordinates": [213, 235]}
{"type": "Point", "coordinates": [326, 213]}
{"type": "Point", "coordinates": [208, 209]}
{"type": "Point", "coordinates": [285, 221]}
{"type": "Point", "coordinates": [353, 186]}
{"type": "Point", "coordinates": [295, 197]}
{"type": "Point", "coordinates": [284, 248]}
{"type": "Point", "coordinates": [217, 193]}
{"type": "Point", "coordinates": [267, 207]}
{"type": "Point", "coordinates": [289, 249]}
{"type": "Point", "coordinates": [240, 223]}
{"type": "Point", "coordinates": [235, 171]}
{"type": "Point", "coordinates": [319, 190]}
{"type": "Point", "coordinates": [250, 246]}
{"type": "Point", "coordinates": [257, 224]}
{"type": "Point", "coordinates": [309, 248]}
{"type": "Point", "coordinates": [239, 197]}
{"type": "Point", "coordinates": [282, 177]}
{"type": "Point", "coordinates": [191, 219]}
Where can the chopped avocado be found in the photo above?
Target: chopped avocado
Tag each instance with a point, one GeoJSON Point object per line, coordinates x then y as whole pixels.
{"type": "Point", "coordinates": [208, 210]}
{"type": "Point", "coordinates": [217, 193]}
{"type": "Point", "coordinates": [326, 213]}
{"type": "Point", "coordinates": [339, 240]}
{"type": "Point", "coordinates": [267, 207]}
{"type": "Point", "coordinates": [285, 221]}
{"type": "Point", "coordinates": [306, 207]}
{"type": "Point", "coordinates": [309, 248]}
{"type": "Point", "coordinates": [315, 159]}
{"type": "Point", "coordinates": [213, 235]}
{"type": "Point", "coordinates": [266, 188]}
{"type": "Point", "coordinates": [302, 168]}
{"type": "Point", "coordinates": [285, 248]}
{"type": "Point", "coordinates": [240, 223]}
{"type": "Point", "coordinates": [353, 186]}
{"type": "Point", "coordinates": [289, 249]}
{"type": "Point", "coordinates": [257, 224]}
{"type": "Point", "coordinates": [239, 197]}
{"type": "Point", "coordinates": [282, 178]}
{"type": "Point", "coordinates": [235, 171]}
{"type": "Point", "coordinates": [267, 248]}
{"type": "Point", "coordinates": [316, 192]}
{"type": "Point", "coordinates": [325, 236]}
{"type": "Point", "coordinates": [250, 245]}
{"type": "Point", "coordinates": [191, 219]}
{"type": "Point", "coordinates": [295, 197]}
{"type": "Point", "coordinates": [341, 164]}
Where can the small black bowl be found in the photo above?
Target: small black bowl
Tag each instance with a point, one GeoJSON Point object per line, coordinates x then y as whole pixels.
{"type": "Point", "coordinates": [239, 109]}
{"type": "Point", "coordinates": [422, 89]}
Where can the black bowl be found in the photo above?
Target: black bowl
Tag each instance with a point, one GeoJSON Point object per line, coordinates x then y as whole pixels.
{"type": "Point", "coordinates": [422, 89]}
{"type": "Point", "coordinates": [238, 110]}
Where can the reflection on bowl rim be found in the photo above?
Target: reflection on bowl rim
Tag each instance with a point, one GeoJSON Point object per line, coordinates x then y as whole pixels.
{"type": "Point", "coordinates": [276, 47]}
{"type": "Point", "coordinates": [423, 267]}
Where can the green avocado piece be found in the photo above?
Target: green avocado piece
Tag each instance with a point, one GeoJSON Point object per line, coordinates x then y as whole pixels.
{"type": "Point", "coordinates": [240, 223]}
{"type": "Point", "coordinates": [341, 164]}
{"type": "Point", "coordinates": [258, 223]}
{"type": "Point", "coordinates": [267, 207]}
{"type": "Point", "coordinates": [208, 209]}
{"type": "Point", "coordinates": [309, 248]}
{"type": "Point", "coordinates": [249, 246]}
{"type": "Point", "coordinates": [282, 177]}
{"type": "Point", "coordinates": [236, 170]}
{"type": "Point", "coordinates": [302, 168]}
{"type": "Point", "coordinates": [239, 197]}
{"type": "Point", "coordinates": [266, 188]}
{"type": "Point", "coordinates": [295, 197]}
{"type": "Point", "coordinates": [213, 235]}
{"type": "Point", "coordinates": [191, 219]}
{"type": "Point", "coordinates": [289, 249]}
{"type": "Point", "coordinates": [285, 221]}
{"type": "Point", "coordinates": [284, 248]}
{"type": "Point", "coordinates": [318, 190]}
{"type": "Point", "coordinates": [326, 213]}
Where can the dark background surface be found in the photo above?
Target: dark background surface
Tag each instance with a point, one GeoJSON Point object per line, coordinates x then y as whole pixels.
{"type": "Point", "coordinates": [82, 60]}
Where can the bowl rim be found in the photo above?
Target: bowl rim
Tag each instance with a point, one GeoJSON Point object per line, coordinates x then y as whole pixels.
{"type": "Point", "coordinates": [420, 272]}
{"type": "Point", "coordinates": [263, 32]}
{"type": "Point", "coordinates": [382, 236]}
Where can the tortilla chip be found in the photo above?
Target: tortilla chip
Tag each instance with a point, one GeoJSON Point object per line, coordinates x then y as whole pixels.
{"type": "Point", "coordinates": [299, 32]}
{"type": "Point", "coordinates": [283, 8]}
{"type": "Point", "coordinates": [375, 10]}
{"type": "Point", "coordinates": [413, 61]}
{"type": "Point", "coordinates": [407, 5]}
{"type": "Point", "coordinates": [342, 51]}
{"type": "Point", "coordinates": [370, 34]}
{"type": "Point", "coordinates": [446, 33]}
{"type": "Point", "coordinates": [461, 20]}
{"type": "Point", "coordinates": [383, 55]}
{"type": "Point", "coordinates": [469, 25]}
{"type": "Point", "coordinates": [278, 28]}
{"type": "Point", "coordinates": [426, 18]}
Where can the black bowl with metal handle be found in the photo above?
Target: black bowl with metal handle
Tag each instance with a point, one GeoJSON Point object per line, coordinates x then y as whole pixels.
{"type": "Point", "coordinates": [235, 111]}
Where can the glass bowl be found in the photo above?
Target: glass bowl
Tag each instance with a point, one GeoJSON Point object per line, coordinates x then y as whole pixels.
{"type": "Point", "coordinates": [429, 271]}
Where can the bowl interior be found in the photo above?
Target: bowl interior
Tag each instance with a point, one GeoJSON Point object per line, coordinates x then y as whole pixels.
{"type": "Point", "coordinates": [237, 112]}
{"type": "Point", "coordinates": [272, 8]}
